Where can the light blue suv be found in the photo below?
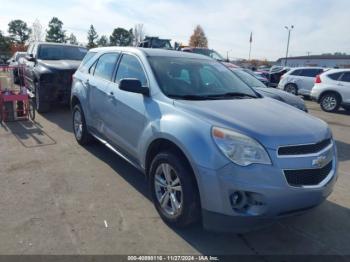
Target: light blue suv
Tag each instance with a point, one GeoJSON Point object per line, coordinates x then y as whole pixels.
{"type": "Point", "coordinates": [211, 147]}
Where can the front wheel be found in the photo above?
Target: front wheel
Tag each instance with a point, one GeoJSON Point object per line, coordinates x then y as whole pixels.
{"type": "Point", "coordinates": [81, 132]}
{"type": "Point", "coordinates": [330, 102]}
{"type": "Point", "coordinates": [291, 88]}
{"type": "Point", "coordinates": [174, 189]}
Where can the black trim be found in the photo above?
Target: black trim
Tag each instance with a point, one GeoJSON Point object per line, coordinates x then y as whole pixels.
{"type": "Point", "coordinates": [304, 149]}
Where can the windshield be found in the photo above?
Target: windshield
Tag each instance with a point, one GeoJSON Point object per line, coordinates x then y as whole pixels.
{"type": "Point", "coordinates": [197, 79]}
{"type": "Point", "coordinates": [207, 52]}
{"type": "Point", "coordinates": [61, 52]}
{"type": "Point", "coordinates": [247, 78]}
{"type": "Point", "coordinates": [159, 43]}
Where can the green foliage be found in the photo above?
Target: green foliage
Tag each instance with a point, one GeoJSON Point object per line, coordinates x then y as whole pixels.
{"type": "Point", "coordinates": [55, 33]}
{"type": "Point", "coordinates": [103, 41]}
{"type": "Point", "coordinates": [72, 39]}
{"type": "Point", "coordinates": [121, 37]}
{"type": "Point", "coordinates": [19, 31]}
{"type": "Point", "coordinates": [92, 36]}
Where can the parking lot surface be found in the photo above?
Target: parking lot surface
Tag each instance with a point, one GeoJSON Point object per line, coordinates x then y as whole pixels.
{"type": "Point", "coordinates": [57, 197]}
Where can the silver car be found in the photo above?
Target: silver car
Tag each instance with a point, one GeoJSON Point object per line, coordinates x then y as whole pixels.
{"type": "Point", "coordinates": [212, 148]}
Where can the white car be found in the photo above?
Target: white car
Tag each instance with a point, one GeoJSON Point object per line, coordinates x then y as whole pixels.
{"type": "Point", "coordinates": [299, 80]}
{"type": "Point", "coordinates": [332, 90]}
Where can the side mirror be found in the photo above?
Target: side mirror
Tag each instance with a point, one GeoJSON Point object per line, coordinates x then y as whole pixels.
{"type": "Point", "coordinates": [30, 58]}
{"type": "Point", "coordinates": [133, 85]}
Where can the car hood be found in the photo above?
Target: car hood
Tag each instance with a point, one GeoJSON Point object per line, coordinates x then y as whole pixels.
{"type": "Point", "coordinates": [60, 64]}
{"type": "Point", "coordinates": [269, 121]}
{"type": "Point", "coordinates": [282, 96]}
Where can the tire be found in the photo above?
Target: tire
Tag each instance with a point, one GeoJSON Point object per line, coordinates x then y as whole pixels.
{"type": "Point", "coordinates": [291, 88]}
{"type": "Point", "coordinates": [187, 206]}
{"type": "Point", "coordinates": [330, 102]}
{"type": "Point", "coordinates": [31, 109]}
{"type": "Point", "coordinates": [80, 130]}
{"type": "Point", "coordinates": [41, 105]}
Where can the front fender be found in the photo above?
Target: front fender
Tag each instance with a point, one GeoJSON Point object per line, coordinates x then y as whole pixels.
{"type": "Point", "coordinates": [79, 91]}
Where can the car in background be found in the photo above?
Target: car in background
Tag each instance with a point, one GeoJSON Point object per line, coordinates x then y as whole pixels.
{"type": "Point", "coordinates": [274, 93]}
{"type": "Point", "coordinates": [17, 61]}
{"type": "Point", "coordinates": [211, 53]}
{"type": "Point", "coordinates": [48, 72]}
{"type": "Point", "coordinates": [299, 80]}
{"type": "Point", "coordinates": [255, 74]}
{"type": "Point", "coordinates": [155, 42]}
{"type": "Point", "coordinates": [275, 73]}
{"type": "Point", "coordinates": [332, 90]}
{"type": "Point", "coordinates": [211, 147]}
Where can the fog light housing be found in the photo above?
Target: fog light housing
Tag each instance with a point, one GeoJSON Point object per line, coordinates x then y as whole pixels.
{"type": "Point", "coordinates": [238, 200]}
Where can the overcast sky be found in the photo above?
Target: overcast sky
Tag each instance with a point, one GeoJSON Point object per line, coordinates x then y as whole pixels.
{"type": "Point", "coordinates": [320, 26]}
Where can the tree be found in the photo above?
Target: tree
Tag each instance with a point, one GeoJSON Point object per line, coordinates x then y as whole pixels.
{"type": "Point", "coordinates": [139, 34]}
{"type": "Point", "coordinates": [55, 33]}
{"type": "Point", "coordinates": [5, 43]}
{"type": "Point", "coordinates": [19, 31]}
{"type": "Point", "coordinates": [198, 38]}
{"type": "Point", "coordinates": [121, 37]}
{"type": "Point", "coordinates": [36, 32]}
{"type": "Point", "coordinates": [102, 41]}
{"type": "Point", "coordinates": [72, 39]}
{"type": "Point", "coordinates": [92, 37]}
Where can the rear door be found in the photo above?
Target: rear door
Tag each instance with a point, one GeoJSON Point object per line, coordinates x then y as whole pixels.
{"type": "Point", "coordinates": [99, 91]}
{"type": "Point", "coordinates": [307, 76]}
{"type": "Point", "coordinates": [344, 87]}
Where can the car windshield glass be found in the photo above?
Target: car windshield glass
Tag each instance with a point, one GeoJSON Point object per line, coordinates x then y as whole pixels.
{"type": "Point", "coordinates": [189, 78]}
{"type": "Point", "coordinates": [249, 79]}
{"type": "Point", "coordinates": [61, 52]}
{"type": "Point", "coordinates": [158, 43]}
{"type": "Point", "coordinates": [207, 52]}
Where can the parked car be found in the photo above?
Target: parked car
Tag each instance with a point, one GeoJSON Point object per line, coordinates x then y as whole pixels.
{"type": "Point", "coordinates": [210, 146]}
{"type": "Point", "coordinates": [299, 80]}
{"type": "Point", "coordinates": [17, 61]}
{"type": "Point", "coordinates": [274, 93]}
{"type": "Point", "coordinates": [211, 53]}
{"type": "Point", "coordinates": [260, 77]}
{"type": "Point", "coordinates": [332, 90]}
{"type": "Point", "coordinates": [48, 72]}
{"type": "Point", "coordinates": [155, 42]}
{"type": "Point", "coordinates": [275, 74]}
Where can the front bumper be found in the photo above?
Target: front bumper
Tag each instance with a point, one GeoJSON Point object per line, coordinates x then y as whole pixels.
{"type": "Point", "coordinates": [268, 194]}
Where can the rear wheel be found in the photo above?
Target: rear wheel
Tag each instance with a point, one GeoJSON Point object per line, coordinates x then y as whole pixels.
{"type": "Point", "coordinates": [41, 105]}
{"type": "Point", "coordinates": [81, 132]}
{"type": "Point", "coordinates": [31, 109]}
{"type": "Point", "coordinates": [330, 102]}
{"type": "Point", "coordinates": [291, 88]}
{"type": "Point", "coordinates": [174, 190]}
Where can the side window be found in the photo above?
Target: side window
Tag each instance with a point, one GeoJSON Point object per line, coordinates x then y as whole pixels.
{"type": "Point", "coordinates": [310, 72]}
{"type": "Point", "coordinates": [296, 72]}
{"type": "Point", "coordinates": [105, 66]}
{"type": "Point", "coordinates": [345, 77]}
{"type": "Point", "coordinates": [130, 67]}
{"type": "Point", "coordinates": [335, 76]}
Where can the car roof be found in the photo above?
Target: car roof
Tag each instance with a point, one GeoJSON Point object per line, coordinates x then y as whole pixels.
{"type": "Point", "coordinates": [331, 71]}
{"type": "Point", "coordinates": [306, 67]}
{"type": "Point", "coordinates": [57, 44]}
{"type": "Point", "coordinates": [149, 52]}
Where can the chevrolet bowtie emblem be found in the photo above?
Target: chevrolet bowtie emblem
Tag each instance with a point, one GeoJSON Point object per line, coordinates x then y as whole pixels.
{"type": "Point", "coordinates": [319, 161]}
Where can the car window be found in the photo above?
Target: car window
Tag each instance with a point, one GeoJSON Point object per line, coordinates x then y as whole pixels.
{"type": "Point", "coordinates": [335, 76]}
{"type": "Point", "coordinates": [295, 72]}
{"type": "Point", "coordinates": [345, 77]}
{"type": "Point", "coordinates": [86, 59]}
{"type": "Point", "coordinates": [61, 52]}
{"type": "Point", "coordinates": [105, 66]}
{"type": "Point", "coordinates": [310, 72]}
{"type": "Point", "coordinates": [248, 79]}
{"type": "Point", "coordinates": [130, 67]}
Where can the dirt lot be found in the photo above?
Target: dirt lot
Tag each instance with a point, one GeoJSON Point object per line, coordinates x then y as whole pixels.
{"type": "Point", "coordinates": [57, 198]}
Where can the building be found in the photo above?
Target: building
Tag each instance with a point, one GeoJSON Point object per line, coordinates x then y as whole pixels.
{"type": "Point", "coordinates": [332, 61]}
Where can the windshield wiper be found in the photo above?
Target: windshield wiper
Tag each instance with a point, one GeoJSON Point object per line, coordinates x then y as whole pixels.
{"type": "Point", "coordinates": [232, 94]}
{"type": "Point", "coordinates": [191, 97]}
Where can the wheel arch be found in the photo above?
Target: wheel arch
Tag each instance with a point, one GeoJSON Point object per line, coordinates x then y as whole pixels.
{"type": "Point", "coordinates": [330, 92]}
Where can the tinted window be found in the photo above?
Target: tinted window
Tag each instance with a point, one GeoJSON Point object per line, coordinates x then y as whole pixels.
{"type": "Point", "coordinates": [296, 72]}
{"type": "Point", "coordinates": [248, 78]}
{"type": "Point", "coordinates": [335, 76]}
{"type": "Point", "coordinates": [61, 52]}
{"type": "Point", "coordinates": [311, 72]}
{"type": "Point", "coordinates": [86, 59]}
{"type": "Point", "coordinates": [105, 66]}
{"type": "Point", "coordinates": [206, 78]}
{"type": "Point", "coordinates": [345, 77]}
{"type": "Point", "coordinates": [130, 67]}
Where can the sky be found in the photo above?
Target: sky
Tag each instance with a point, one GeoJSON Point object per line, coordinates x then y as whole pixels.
{"type": "Point", "coordinates": [320, 26]}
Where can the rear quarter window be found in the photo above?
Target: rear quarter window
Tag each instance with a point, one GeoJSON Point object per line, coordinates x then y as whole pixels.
{"type": "Point", "coordinates": [335, 76]}
{"type": "Point", "coordinates": [311, 72]}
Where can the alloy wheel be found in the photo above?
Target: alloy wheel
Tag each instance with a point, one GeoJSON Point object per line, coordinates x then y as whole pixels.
{"type": "Point", "coordinates": [329, 103]}
{"type": "Point", "coordinates": [78, 124]}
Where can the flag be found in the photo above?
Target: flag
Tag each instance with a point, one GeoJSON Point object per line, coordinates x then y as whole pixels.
{"type": "Point", "coordinates": [251, 37]}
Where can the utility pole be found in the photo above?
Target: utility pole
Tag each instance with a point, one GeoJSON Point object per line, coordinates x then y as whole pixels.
{"type": "Point", "coordinates": [289, 30]}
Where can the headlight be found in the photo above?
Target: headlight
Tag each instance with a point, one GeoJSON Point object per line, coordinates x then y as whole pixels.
{"type": "Point", "coordinates": [240, 149]}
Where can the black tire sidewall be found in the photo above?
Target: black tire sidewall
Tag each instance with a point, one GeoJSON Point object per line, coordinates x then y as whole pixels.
{"type": "Point", "coordinates": [85, 138]}
{"type": "Point", "coordinates": [336, 99]}
{"type": "Point", "coordinates": [190, 206]}
{"type": "Point", "coordinates": [293, 86]}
